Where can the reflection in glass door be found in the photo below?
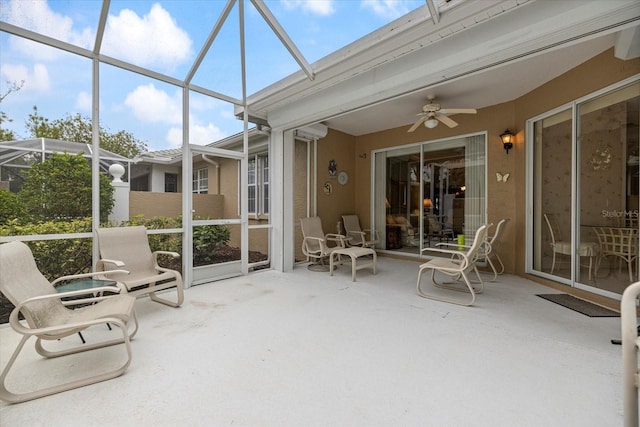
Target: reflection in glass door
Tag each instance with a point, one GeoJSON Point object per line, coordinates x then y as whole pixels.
{"type": "Point", "coordinates": [430, 193]}
{"type": "Point", "coordinates": [584, 230]}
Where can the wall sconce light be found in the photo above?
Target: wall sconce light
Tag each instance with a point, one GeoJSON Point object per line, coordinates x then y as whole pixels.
{"type": "Point", "coordinates": [507, 140]}
{"type": "Point", "coordinates": [427, 203]}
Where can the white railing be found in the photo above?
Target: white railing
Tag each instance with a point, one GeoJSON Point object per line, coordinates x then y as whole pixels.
{"type": "Point", "coordinates": [630, 347]}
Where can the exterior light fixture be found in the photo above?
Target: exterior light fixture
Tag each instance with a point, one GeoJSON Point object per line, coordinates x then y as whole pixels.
{"type": "Point", "coordinates": [507, 140]}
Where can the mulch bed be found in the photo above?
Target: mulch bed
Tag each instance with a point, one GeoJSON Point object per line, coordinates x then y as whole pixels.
{"type": "Point", "coordinates": [224, 254]}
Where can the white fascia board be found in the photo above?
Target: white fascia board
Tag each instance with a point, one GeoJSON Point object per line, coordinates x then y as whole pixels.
{"type": "Point", "coordinates": [539, 26]}
{"type": "Point", "coordinates": [403, 36]}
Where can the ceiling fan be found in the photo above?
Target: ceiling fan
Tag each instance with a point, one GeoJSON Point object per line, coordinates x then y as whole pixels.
{"type": "Point", "coordinates": [432, 113]}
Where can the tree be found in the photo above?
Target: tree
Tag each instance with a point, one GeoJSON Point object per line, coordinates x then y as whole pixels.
{"type": "Point", "coordinates": [60, 188]}
{"type": "Point", "coordinates": [78, 129]}
{"type": "Point", "coordinates": [6, 134]}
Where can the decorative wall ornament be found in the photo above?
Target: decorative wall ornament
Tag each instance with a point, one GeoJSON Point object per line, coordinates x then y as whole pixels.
{"type": "Point", "coordinates": [328, 188]}
{"type": "Point", "coordinates": [601, 158]}
{"type": "Point", "coordinates": [502, 177]}
{"type": "Point", "coordinates": [333, 168]}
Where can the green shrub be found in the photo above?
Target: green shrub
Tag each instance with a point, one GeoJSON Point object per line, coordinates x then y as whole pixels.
{"type": "Point", "coordinates": [11, 207]}
{"type": "Point", "coordinates": [63, 257]}
{"type": "Point", "coordinates": [58, 257]}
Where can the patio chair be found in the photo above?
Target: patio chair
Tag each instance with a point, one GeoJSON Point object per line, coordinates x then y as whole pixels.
{"type": "Point", "coordinates": [48, 317]}
{"type": "Point", "coordinates": [494, 242]}
{"type": "Point", "coordinates": [561, 247]}
{"type": "Point", "coordinates": [317, 245]}
{"type": "Point", "coordinates": [630, 352]}
{"type": "Point", "coordinates": [438, 230]}
{"type": "Point", "coordinates": [621, 243]}
{"type": "Point", "coordinates": [128, 248]}
{"type": "Point", "coordinates": [366, 238]}
{"type": "Point", "coordinates": [456, 266]}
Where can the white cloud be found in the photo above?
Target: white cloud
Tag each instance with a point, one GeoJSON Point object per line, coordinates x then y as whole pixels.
{"type": "Point", "coordinates": [38, 17]}
{"type": "Point", "coordinates": [83, 101]}
{"type": "Point", "coordinates": [154, 105]}
{"type": "Point", "coordinates": [205, 134]}
{"type": "Point", "coordinates": [198, 134]}
{"type": "Point", "coordinates": [315, 7]}
{"type": "Point", "coordinates": [388, 9]}
{"type": "Point", "coordinates": [153, 40]}
{"type": "Point", "coordinates": [36, 80]}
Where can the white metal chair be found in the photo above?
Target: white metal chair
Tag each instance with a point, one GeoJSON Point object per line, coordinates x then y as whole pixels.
{"type": "Point", "coordinates": [128, 248]}
{"type": "Point", "coordinates": [561, 247]}
{"type": "Point", "coordinates": [494, 243]}
{"type": "Point", "coordinates": [358, 237]}
{"type": "Point", "coordinates": [48, 317]}
{"type": "Point", "coordinates": [456, 266]}
{"type": "Point", "coordinates": [316, 245]}
{"type": "Point", "coordinates": [621, 243]}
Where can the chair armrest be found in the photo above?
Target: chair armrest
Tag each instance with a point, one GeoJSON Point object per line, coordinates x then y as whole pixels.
{"type": "Point", "coordinates": [115, 262]}
{"type": "Point", "coordinates": [173, 254]}
{"type": "Point", "coordinates": [319, 240]}
{"type": "Point", "coordinates": [336, 238]}
{"type": "Point", "coordinates": [459, 254]}
{"type": "Point", "coordinates": [84, 275]}
{"type": "Point", "coordinates": [60, 295]}
{"type": "Point", "coordinates": [24, 329]}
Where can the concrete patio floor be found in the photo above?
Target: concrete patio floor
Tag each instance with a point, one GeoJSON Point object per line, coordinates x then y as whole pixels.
{"type": "Point", "coordinates": [306, 349]}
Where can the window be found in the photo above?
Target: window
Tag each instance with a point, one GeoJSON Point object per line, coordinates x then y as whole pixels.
{"type": "Point", "coordinates": [170, 183]}
{"type": "Point", "coordinates": [258, 182]}
{"type": "Point", "coordinates": [201, 181]}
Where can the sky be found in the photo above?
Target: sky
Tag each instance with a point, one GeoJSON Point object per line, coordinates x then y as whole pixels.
{"type": "Point", "coordinates": [166, 36]}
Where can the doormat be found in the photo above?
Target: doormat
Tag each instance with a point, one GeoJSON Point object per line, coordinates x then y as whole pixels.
{"type": "Point", "coordinates": [581, 306]}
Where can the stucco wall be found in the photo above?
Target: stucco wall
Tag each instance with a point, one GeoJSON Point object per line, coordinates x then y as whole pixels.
{"type": "Point", "coordinates": [340, 147]}
{"type": "Point", "coordinates": [505, 200]}
{"type": "Point", "coordinates": [151, 204]}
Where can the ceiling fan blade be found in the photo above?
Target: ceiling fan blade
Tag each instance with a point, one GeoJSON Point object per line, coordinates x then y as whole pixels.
{"type": "Point", "coordinates": [458, 111]}
{"type": "Point", "coordinates": [417, 123]}
{"type": "Point", "coordinates": [447, 121]}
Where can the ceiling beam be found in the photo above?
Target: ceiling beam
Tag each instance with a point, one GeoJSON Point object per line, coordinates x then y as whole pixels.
{"type": "Point", "coordinates": [433, 10]}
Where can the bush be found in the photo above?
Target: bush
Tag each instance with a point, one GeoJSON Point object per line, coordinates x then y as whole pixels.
{"type": "Point", "coordinates": [11, 207]}
{"type": "Point", "coordinates": [63, 257]}
{"type": "Point", "coordinates": [58, 257]}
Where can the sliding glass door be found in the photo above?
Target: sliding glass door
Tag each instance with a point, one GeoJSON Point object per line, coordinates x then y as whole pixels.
{"type": "Point", "coordinates": [584, 195]}
{"type": "Point", "coordinates": [429, 193]}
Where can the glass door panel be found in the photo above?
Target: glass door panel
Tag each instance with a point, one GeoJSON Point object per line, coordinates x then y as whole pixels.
{"type": "Point", "coordinates": [608, 183]}
{"type": "Point", "coordinates": [552, 193]}
{"type": "Point", "coordinates": [584, 229]}
{"type": "Point", "coordinates": [430, 193]}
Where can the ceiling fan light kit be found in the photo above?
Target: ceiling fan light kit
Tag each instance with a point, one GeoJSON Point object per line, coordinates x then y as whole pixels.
{"type": "Point", "coordinates": [430, 123]}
